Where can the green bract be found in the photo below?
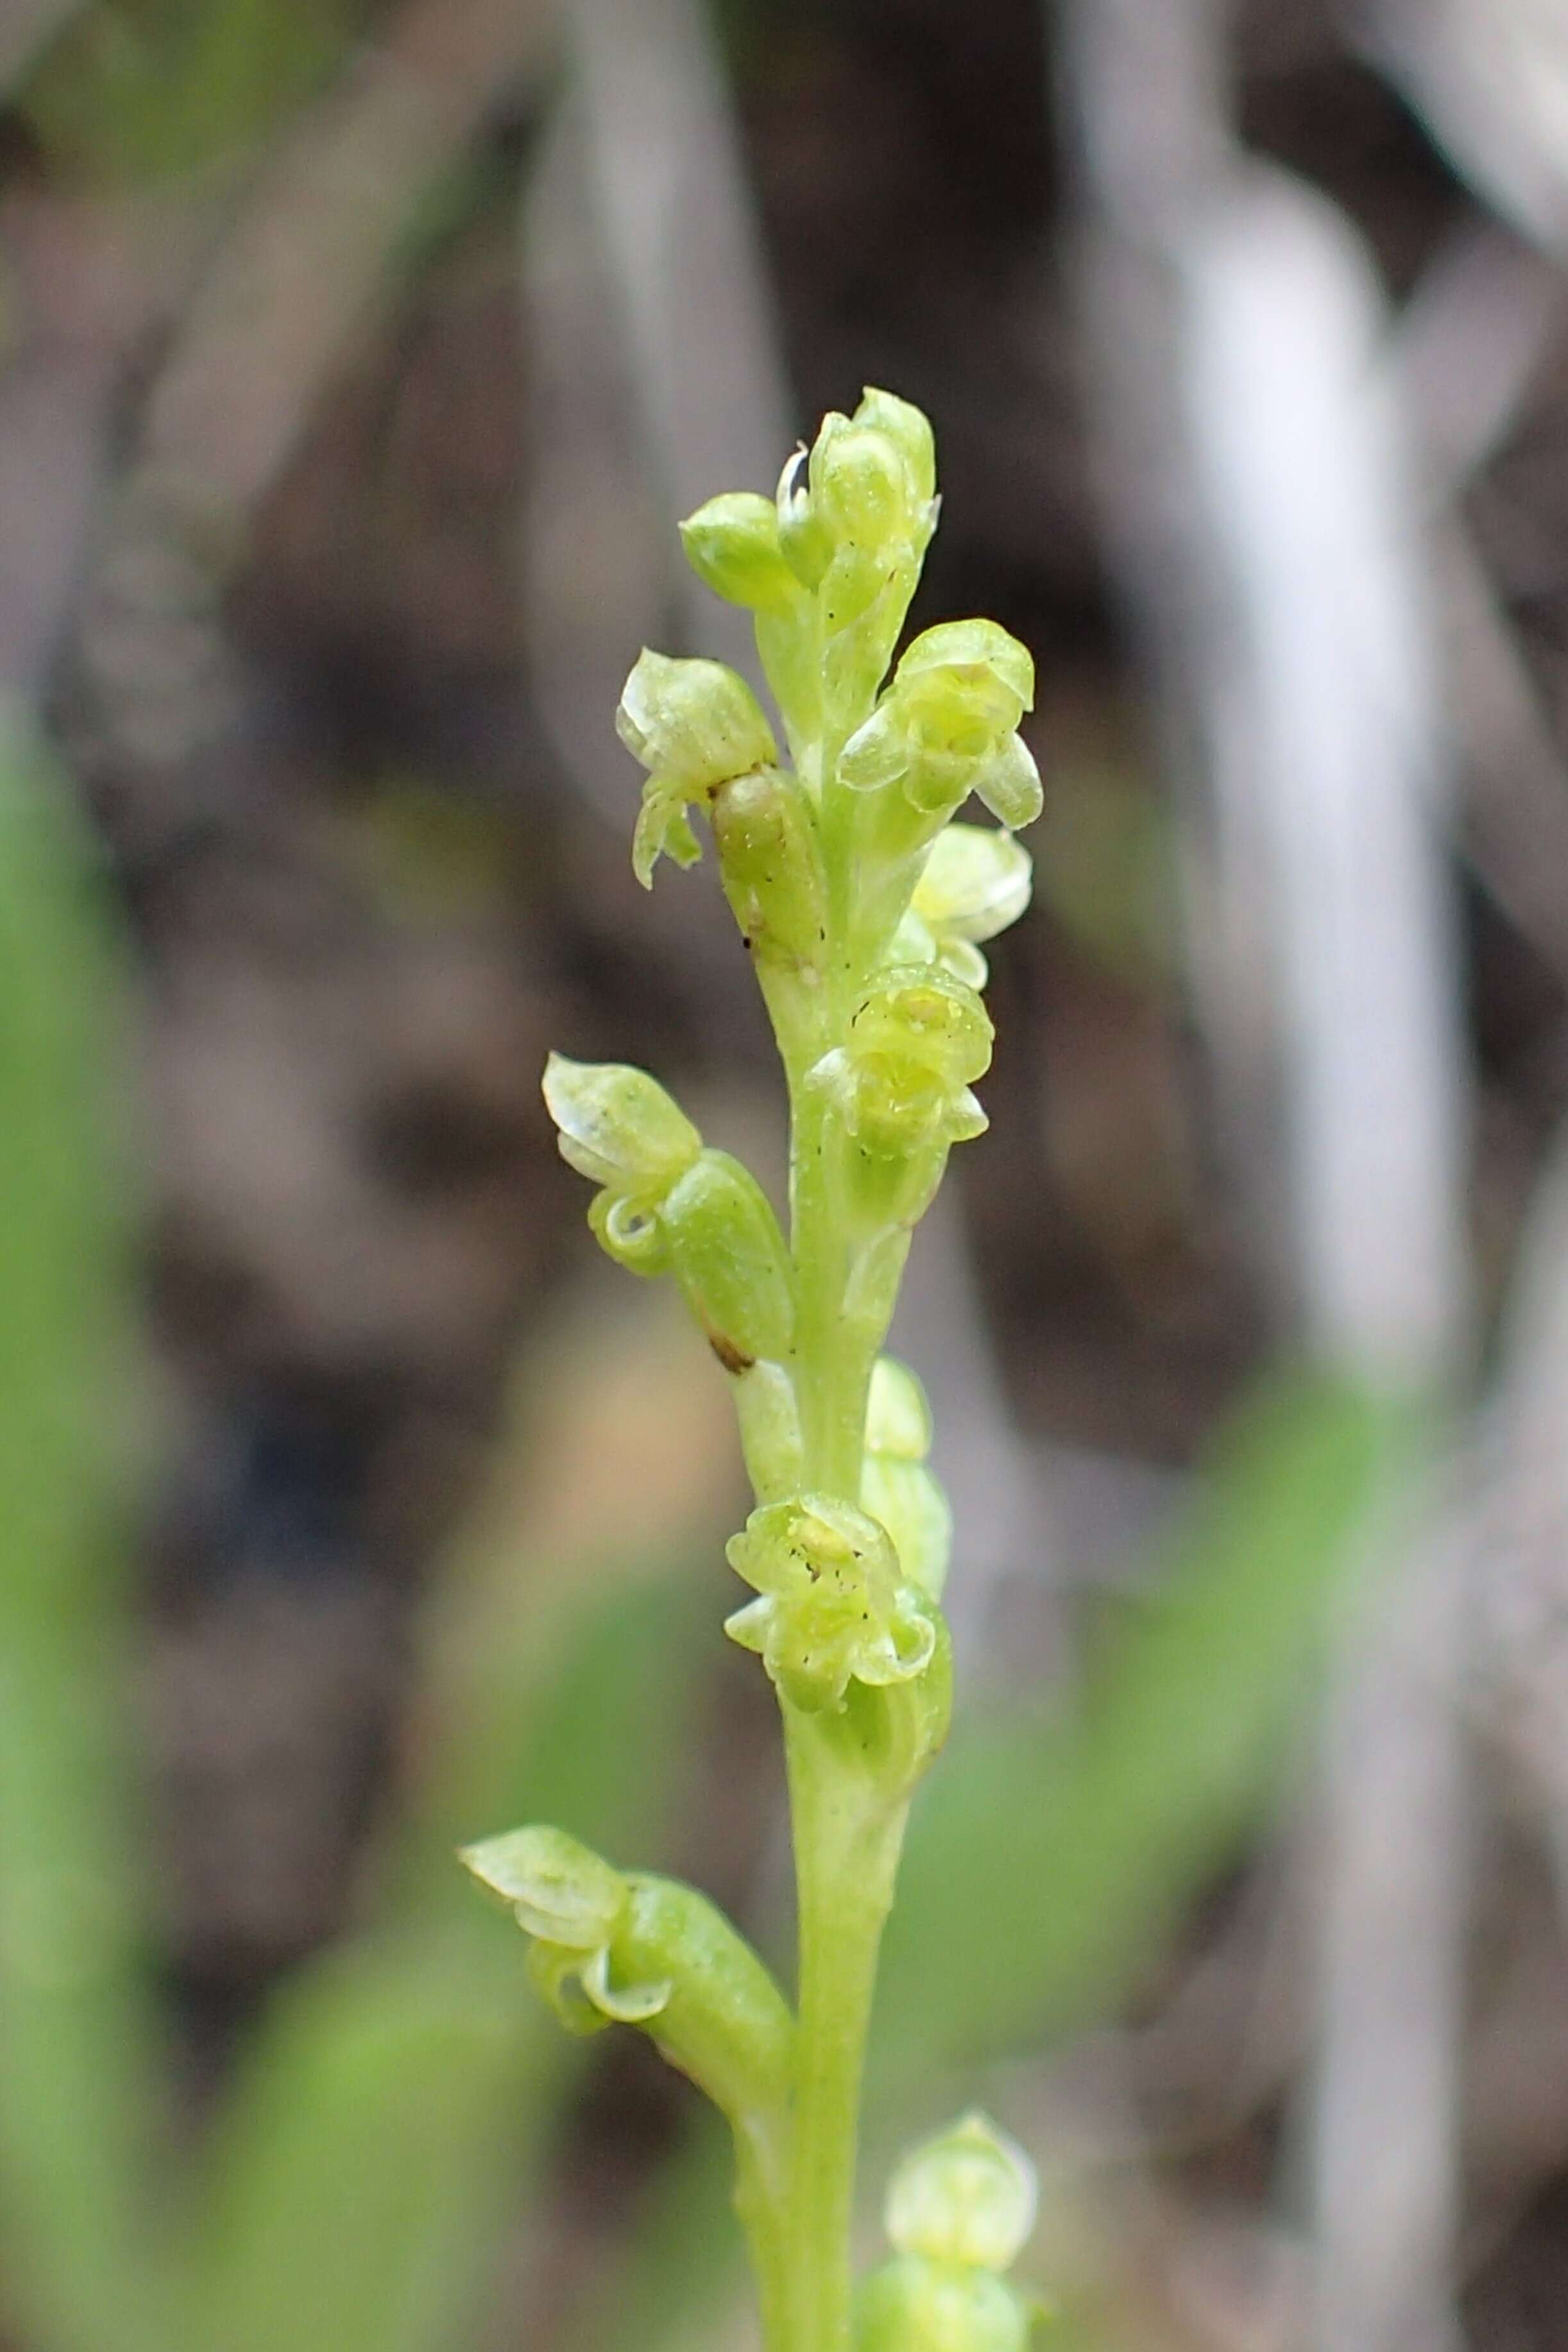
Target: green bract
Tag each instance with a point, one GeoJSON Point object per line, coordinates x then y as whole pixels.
{"type": "Point", "coordinates": [862, 907]}
{"type": "Point", "coordinates": [730, 1258]}
{"type": "Point", "coordinates": [771, 863]}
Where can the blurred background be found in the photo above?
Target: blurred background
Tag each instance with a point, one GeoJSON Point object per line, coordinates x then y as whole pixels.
{"type": "Point", "coordinates": [356, 359]}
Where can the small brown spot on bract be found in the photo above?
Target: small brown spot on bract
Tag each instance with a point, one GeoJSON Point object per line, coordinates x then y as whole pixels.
{"type": "Point", "coordinates": [734, 1359]}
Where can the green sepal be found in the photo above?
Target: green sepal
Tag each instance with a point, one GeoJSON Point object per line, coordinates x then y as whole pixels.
{"type": "Point", "coordinates": [557, 1889]}
{"type": "Point", "coordinates": [901, 1084]}
{"type": "Point", "coordinates": [975, 669]}
{"type": "Point", "coordinates": [908, 429]}
{"type": "Point", "coordinates": [928, 1019]}
{"type": "Point", "coordinates": [617, 1126]}
{"type": "Point", "coordinates": [1009, 784]}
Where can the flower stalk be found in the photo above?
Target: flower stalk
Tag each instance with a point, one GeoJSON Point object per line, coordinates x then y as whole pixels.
{"type": "Point", "coordinates": [863, 907]}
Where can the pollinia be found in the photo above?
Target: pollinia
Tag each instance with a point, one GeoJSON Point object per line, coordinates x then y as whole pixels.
{"type": "Point", "coordinates": [863, 907]}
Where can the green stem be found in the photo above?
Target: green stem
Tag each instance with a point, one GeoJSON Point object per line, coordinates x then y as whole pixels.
{"type": "Point", "coordinates": [761, 2204]}
{"type": "Point", "coordinates": [831, 1374]}
{"type": "Point", "coordinates": [847, 1835]}
{"type": "Point", "coordinates": [846, 1843]}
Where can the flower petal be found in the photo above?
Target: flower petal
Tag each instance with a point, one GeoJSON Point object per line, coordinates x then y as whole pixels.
{"type": "Point", "coordinates": [1010, 785]}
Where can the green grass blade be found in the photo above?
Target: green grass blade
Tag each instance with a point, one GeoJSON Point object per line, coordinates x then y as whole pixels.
{"type": "Point", "coordinates": [1044, 1864]}
{"type": "Point", "coordinates": [78, 2048]}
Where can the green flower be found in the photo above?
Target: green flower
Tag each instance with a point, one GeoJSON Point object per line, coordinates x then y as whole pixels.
{"type": "Point", "coordinates": [694, 725]}
{"type": "Point", "coordinates": [947, 726]}
{"type": "Point", "coordinates": [624, 1947]}
{"type": "Point", "coordinates": [832, 1607]}
{"type": "Point", "coordinates": [917, 1040]}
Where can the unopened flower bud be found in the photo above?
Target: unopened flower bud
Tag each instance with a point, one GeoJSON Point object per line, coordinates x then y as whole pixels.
{"type": "Point", "coordinates": [730, 1258]}
{"type": "Point", "coordinates": [908, 1499]}
{"type": "Point", "coordinates": [617, 1126]}
{"type": "Point", "coordinates": [732, 545]}
{"type": "Point", "coordinates": [832, 1608]}
{"type": "Point", "coordinates": [974, 884]}
{"type": "Point", "coordinates": [860, 485]}
{"type": "Point", "coordinates": [896, 1488]}
{"type": "Point", "coordinates": [695, 719]}
{"type": "Point", "coordinates": [765, 833]}
{"type": "Point", "coordinates": [910, 2305]}
{"type": "Point", "coordinates": [969, 2196]}
{"type": "Point", "coordinates": [909, 430]}
{"type": "Point", "coordinates": [769, 1413]}
{"type": "Point", "coordinates": [898, 1412]}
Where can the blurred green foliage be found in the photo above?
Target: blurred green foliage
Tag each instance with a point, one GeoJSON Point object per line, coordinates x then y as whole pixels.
{"type": "Point", "coordinates": [79, 2066]}
{"type": "Point", "coordinates": [1048, 1857]}
{"type": "Point", "coordinates": [156, 90]}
